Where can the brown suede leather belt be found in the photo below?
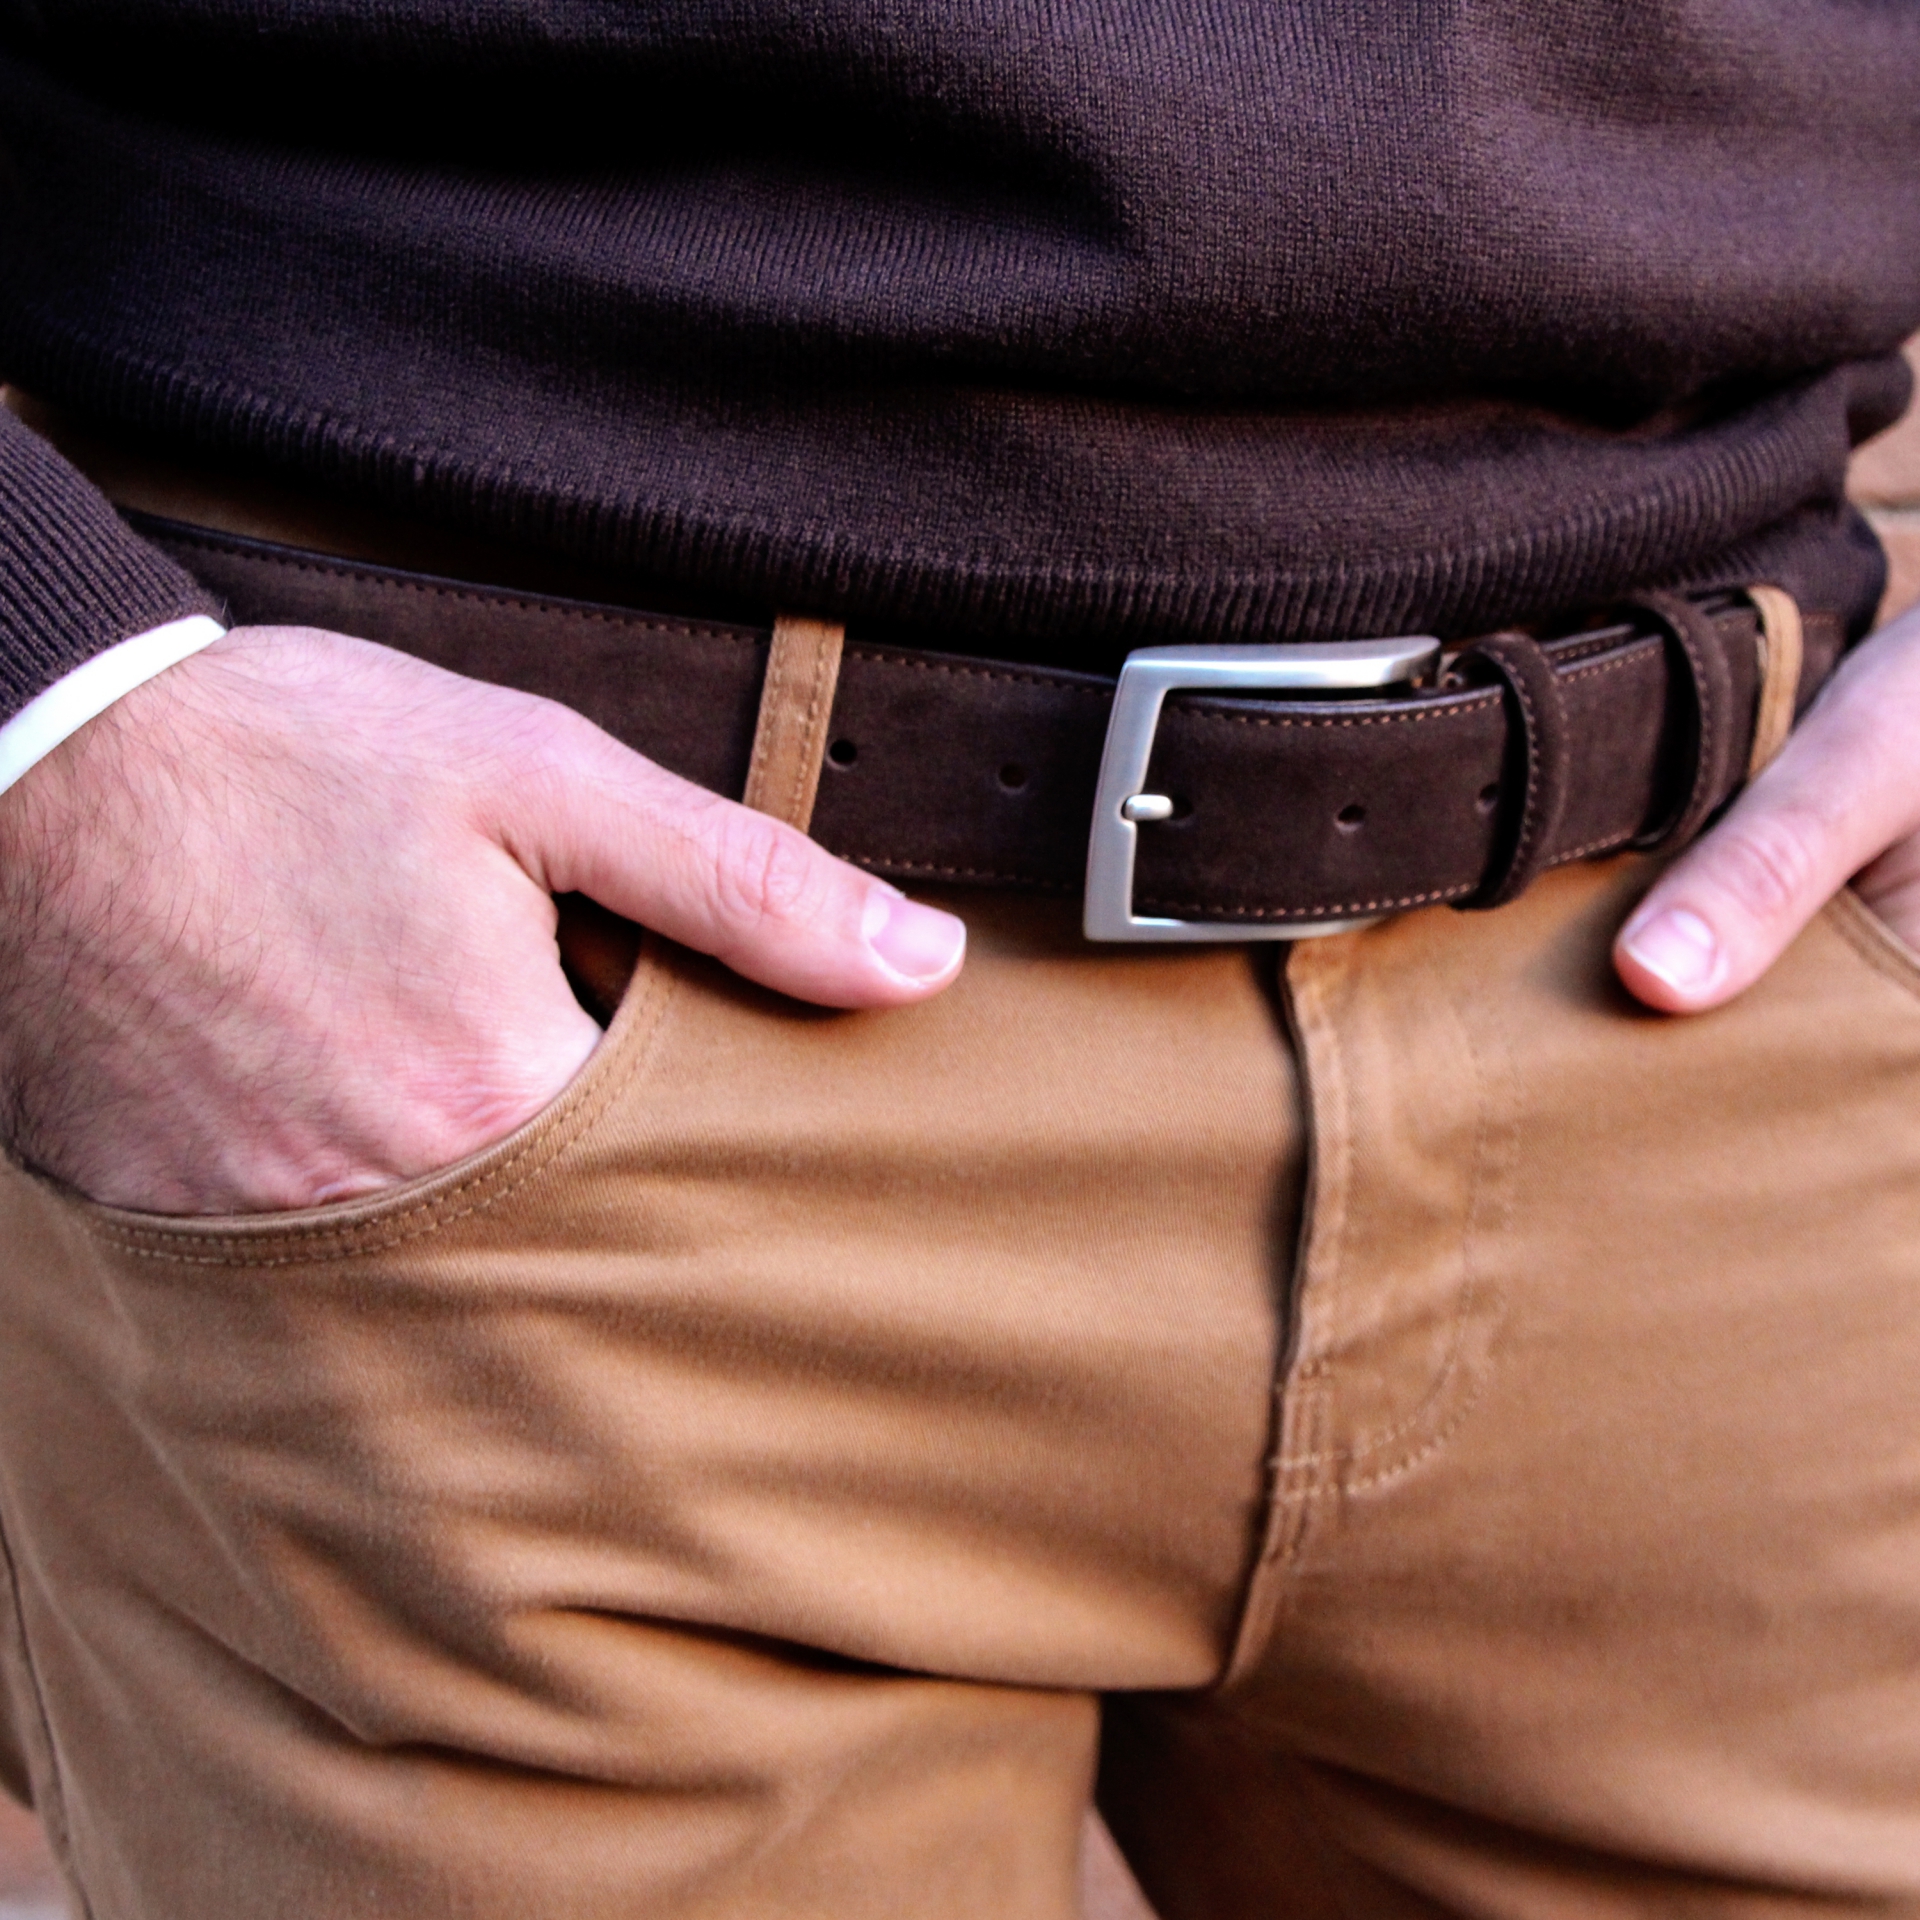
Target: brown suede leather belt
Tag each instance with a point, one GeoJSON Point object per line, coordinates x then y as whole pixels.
{"type": "Point", "coordinates": [1259, 814]}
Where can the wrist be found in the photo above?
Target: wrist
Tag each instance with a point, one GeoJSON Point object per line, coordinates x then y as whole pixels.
{"type": "Point", "coordinates": [59, 712]}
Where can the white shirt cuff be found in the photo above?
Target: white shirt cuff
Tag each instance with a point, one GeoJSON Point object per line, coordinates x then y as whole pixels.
{"type": "Point", "coordinates": [91, 688]}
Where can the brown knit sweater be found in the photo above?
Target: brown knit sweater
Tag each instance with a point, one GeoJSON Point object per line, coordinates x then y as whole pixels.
{"type": "Point", "coordinates": [1036, 327]}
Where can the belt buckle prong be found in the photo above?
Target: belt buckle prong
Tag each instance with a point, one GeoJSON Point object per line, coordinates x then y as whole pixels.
{"type": "Point", "coordinates": [1121, 806]}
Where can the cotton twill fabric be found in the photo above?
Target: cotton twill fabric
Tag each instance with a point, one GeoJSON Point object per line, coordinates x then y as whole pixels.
{"type": "Point", "coordinates": [727, 1497]}
{"type": "Point", "coordinates": [731, 1495]}
{"type": "Point", "coordinates": [1592, 1585]}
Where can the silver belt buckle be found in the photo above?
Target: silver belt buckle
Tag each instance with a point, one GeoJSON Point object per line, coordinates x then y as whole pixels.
{"type": "Point", "coordinates": [1120, 808]}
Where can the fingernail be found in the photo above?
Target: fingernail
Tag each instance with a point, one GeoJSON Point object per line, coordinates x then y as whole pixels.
{"type": "Point", "coordinates": [920, 942]}
{"type": "Point", "coordinates": [1678, 946]}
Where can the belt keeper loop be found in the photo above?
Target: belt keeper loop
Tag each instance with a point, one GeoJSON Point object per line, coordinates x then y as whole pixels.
{"type": "Point", "coordinates": [796, 702]}
{"type": "Point", "coordinates": [1782, 658]}
{"type": "Point", "coordinates": [1533, 692]}
{"type": "Point", "coordinates": [1693, 646]}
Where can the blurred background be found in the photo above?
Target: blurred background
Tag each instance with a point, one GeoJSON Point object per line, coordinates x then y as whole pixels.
{"type": "Point", "coordinates": [1886, 482]}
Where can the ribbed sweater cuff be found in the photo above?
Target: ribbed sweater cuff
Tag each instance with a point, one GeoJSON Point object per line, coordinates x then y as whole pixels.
{"type": "Point", "coordinates": [74, 578]}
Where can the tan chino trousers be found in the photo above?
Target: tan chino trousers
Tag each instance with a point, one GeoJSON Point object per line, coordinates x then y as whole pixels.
{"type": "Point", "coordinates": [778, 1479]}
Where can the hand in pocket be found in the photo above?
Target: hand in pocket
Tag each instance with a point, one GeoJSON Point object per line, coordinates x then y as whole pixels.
{"type": "Point", "coordinates": [278, 928]}
{"type": "Point", "coordinates": [1840, 803]}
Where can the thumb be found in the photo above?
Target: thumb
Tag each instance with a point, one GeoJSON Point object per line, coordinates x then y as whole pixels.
{"type": "Point", "coordinates": [1842, 790]}
{"type": "Point", "coordinates": [593, 817]}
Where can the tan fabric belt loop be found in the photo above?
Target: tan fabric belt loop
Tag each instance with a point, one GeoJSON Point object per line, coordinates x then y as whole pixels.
{"type": "Point", "coordinates": [796, 699]}
{"type": "Point", "coordinates": [600, 952]}
{"type": "Point", "coordinates": [1782, 651]}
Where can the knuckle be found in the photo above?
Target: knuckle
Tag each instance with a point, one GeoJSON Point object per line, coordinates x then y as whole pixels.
{"type": "Point", "coordinates": [764, 873]}
{"type": "Point", "coordinates": [528, 741]}
{"type": "Point", "coordinates": [1767, 865]}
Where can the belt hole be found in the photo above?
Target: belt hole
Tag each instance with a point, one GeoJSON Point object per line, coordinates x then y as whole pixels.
{"type": "Point", "coordinates": [1013, 776]}
{"type": "Point", "coordinates": [1351, 818]}
{"type": "Point", "coordinates": [1489, 797]}
{"type": "Point", "coordinates": [843, 753]}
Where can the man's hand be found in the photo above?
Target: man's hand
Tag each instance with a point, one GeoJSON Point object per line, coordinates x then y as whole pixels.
{"type": "Point", "coordinates": [1842, 801]}
{"type": "Point", "coordinates": [278, 928]}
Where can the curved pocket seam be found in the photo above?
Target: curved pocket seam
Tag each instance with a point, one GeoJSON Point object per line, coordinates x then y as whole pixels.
{"type": "Point", "coordinates": [1873, 941]}
{"type": "Point", "coordinates": [309, 1246]}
